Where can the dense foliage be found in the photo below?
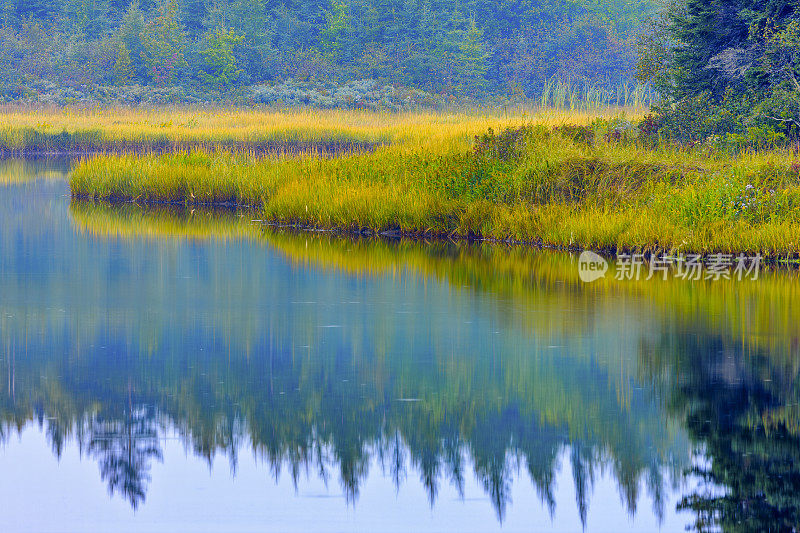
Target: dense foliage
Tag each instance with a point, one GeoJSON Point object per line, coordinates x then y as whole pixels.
{"type": "Point", "coordinates": [726, 68]}
{"type": "Point", "coordinates": [472, 48]}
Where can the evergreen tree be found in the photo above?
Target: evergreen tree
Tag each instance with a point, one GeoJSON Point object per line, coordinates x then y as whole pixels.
{"type": "Point", "coordinates": [193, 14]}
{"type": "Point", "coordinates": [88, 17]}
{"type": "Point", "coordinates": [472, 62]}
{"type": "Point", "coordinates": [736, 60]}
{"type": "Point", "coordinates": [41, 10]}
{"type": "Point", "coordinates": [473, 47]}
{"type": "Point", "coordinates": [130, 35]}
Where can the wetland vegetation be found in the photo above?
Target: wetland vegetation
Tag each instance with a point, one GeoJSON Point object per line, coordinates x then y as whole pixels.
{"type": "Point", "coordinates": [556, 178]}
{"type": "Point", "coordinates": [710, 167]}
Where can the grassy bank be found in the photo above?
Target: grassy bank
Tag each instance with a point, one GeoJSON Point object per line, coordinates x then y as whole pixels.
{"type": "Point", "coordinates": [248, 131]}
{"type": "Point", "coordinates": [65, 131]}
{"type": "Point", "coordinates": [536, 185]}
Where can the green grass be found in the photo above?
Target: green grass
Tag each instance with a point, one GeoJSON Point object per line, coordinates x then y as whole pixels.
{"type": "Point", "coordinates": [533, 186]}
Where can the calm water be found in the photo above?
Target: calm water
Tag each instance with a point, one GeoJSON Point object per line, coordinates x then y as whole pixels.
{"type": "Point", "coordinates": [190, 371]}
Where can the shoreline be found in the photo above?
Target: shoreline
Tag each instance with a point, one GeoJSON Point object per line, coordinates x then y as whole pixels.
{"type": "Point", "coordinates": [565, 181]}
{"type": "Point", "coordinates": [255, 149]}
{"type": "Point", "coordinates": [788, 261]}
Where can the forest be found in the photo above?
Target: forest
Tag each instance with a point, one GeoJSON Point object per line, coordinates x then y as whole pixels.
{"type": "Point", "coordinates": [59, 51]}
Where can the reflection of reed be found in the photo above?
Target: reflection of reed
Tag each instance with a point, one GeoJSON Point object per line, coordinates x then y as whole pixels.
{"type": "Point", "coordinates": [16, 171]}
{"type": "Point", "coordinates": [760, 313]}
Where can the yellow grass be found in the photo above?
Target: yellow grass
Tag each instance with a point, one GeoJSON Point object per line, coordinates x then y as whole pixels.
{"type": "Point", "coordinates": [190, 125]}
{"type": "Point", "coordinates": [425, 179]}
{"type": "Point", "coordinates": [427, 182]}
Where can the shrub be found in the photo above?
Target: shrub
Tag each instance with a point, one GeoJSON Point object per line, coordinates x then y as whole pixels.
{"type": "Point", "coordinates": [757, 137]}
{"type": "Point", "coordinates": [578, 134]}
{"type": "Point", "coordinates": [510, 145]}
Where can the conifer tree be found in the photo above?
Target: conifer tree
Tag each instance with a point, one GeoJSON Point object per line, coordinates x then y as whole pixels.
{"type": "Point", "coordinates": [472, 62]}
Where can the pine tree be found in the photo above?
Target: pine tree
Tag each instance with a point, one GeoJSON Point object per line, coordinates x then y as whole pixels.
{"type": "Point", "coordinates": [471, 61]}
{"type": "Point", "coordinates": [193, 14]}
{"type": "Point", "coordinates": [721, 44]}
{"type": "Point", "coordinates": [130, 34]}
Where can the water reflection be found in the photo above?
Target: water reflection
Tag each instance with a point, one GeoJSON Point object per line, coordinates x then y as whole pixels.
{"type": "Point", "coordinates": [120, 325]}
{"type": "Point", "coordinates": [740, 406]}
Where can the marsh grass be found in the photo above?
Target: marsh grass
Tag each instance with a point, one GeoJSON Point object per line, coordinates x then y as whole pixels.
{"type": "Point", "coordinates": [65, 131]}
{"type": "Point", "coordinates": [452, 176]}
{"type": "Point", "coordinates": [253, 132]}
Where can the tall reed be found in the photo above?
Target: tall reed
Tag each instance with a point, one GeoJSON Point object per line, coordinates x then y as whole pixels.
{"type": "Point", "coordinates": [564, 94]}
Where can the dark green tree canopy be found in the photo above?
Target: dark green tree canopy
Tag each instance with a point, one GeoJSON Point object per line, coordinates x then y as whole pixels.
{"type": "Point", "coordinates": [739, 61]}
{"type": "Point", "coordinates": [723, 43]}
{"type": "Point", "coordinates": [457, 47]}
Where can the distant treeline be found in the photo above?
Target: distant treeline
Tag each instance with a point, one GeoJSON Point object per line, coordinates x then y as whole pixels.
{"type": "Point", "coordinates": [473, 48]}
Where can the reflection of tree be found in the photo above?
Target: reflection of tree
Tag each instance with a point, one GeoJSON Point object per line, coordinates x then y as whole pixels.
{"type": "Point", "coordinates": [124, 448]}
{"type": "Point", "coordinates": [541, 451]}
{"type": "Point", "coordinates": [392, 456]}
{"type": "Point", "coordinates": [310, 420]}
{"type": "Point", "coordinates": [223, 365]}
{"type": "Point", "coordinates": [740, 407]}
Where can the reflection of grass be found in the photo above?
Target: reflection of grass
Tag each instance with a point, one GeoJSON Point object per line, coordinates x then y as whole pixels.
{"type": "Point", "coordinates": [754, 311]}
{"type": "Point", "coordinates": [761, 314]}
{"type": "Point", "coordinates": [131, 221]}
{"type": "Point", "coordinates": [14, 171]}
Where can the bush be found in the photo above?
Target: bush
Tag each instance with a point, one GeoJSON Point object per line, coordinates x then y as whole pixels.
{"type": "Point", "coordinates": [736, 123]}
{"type": "Point", "coordinates": [510, 145]}
{"type": "Point", "coordinates": [757, 137]}
{"type": "Point", "coordinates": [362, 94]}
{"type": "Point", "coordinates": [577, 134]}
{"type": "Point", "coordinates": [694, 119]}
{"type": "Point", "coordinates": [780, 111]}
